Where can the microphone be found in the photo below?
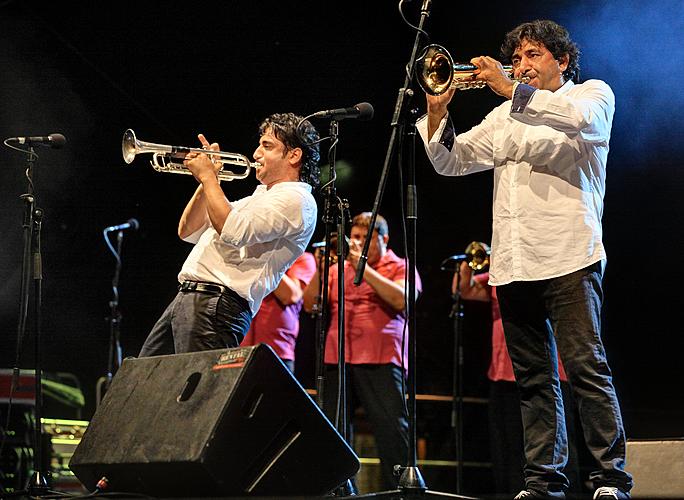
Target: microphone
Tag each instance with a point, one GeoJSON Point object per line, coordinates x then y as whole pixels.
{"type": "Point", "coordinates": [52, 141]}
{"type": "Point", "coordinates": [363, 111]}
{"type": "Point", "coordinates": [459, 258]}
{"type": "Point", "coordinates": [132, 224]}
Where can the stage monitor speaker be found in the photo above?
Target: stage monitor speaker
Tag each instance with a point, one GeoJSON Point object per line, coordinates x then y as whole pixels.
{"type": "Point", "coordinates": [658, 468]}
{"type": "Point", "coordinates": [228, 422]}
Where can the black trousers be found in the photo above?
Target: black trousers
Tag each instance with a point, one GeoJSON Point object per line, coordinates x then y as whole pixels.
{"type": "Point", "coordinates": [199, 321]}
{"type": "Point", "coordinates": [540, 319]}
{"type": "Point", "coordinates": [378, 389]}
{"type": "Point", "coordinates": [506, 438]}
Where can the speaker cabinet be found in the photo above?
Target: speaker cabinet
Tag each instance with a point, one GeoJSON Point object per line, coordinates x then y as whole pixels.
{"type": "Point", "coordinates": [226, 422]}
{"type": "Point", "coordinates": [658, 468]}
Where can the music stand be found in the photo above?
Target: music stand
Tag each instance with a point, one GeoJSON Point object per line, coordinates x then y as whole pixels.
{"type": "Point", "coordinates": [411, 483]}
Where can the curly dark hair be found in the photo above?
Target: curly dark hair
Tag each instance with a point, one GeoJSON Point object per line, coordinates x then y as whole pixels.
{"type": "Point", "coordinates": [284, 127]}
{"type": "Point", "coordinates": [554, 37]}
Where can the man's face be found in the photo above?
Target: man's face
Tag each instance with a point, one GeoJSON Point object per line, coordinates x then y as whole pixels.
{"type": "Point", "coordinates": [377, 247]}
{"type": "Point", "coordinates": [534, 61]}
{"type": "Point", "coordinates": [277, 163]}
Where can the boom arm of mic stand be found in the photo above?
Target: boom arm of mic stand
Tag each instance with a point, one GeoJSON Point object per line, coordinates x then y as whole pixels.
{"type": "Point", "coordinates": [405, 93]}
{"type": "Point", "coordinates": [411, 478]}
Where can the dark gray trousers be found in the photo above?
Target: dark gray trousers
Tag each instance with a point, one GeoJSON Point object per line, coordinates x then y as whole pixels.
{"type": "Point", "coordinates": [563, 314]}
{"type": "Point", "coordinates": [199, 321]}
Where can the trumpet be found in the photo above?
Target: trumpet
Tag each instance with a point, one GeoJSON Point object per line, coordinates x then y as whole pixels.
{"type": "Point", "coordinates": [437, 72]}
{"type": "Point", "coordinates": [163, 156]}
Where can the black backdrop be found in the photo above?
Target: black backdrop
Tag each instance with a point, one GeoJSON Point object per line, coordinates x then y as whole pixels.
{"type": "Point", "coordinates": [169, 70]}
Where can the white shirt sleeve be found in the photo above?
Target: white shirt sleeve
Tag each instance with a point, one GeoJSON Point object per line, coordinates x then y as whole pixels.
{"type": "Point", "coordinates": [586, 116]}
{"type": "Point", "coordinates": [462, 154]}
{"type": "Point", "coordinates": [277, 214]}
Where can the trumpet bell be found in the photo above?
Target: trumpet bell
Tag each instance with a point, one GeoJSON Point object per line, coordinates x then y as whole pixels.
{"type": "Point", "coordinates": [434, 69]}
{"type": "Point", "coordinates": [128, 146]}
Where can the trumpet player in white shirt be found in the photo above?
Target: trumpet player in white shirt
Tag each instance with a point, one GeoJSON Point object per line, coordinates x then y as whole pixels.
{"type": "Point", "coordinates": [242, 248]}
{"type": "Point", "coordinates": [547, 145]}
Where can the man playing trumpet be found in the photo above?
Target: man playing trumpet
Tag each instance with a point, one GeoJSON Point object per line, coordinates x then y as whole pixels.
{"type": "Point", "coordinates": [242, 248]}
{"type": "Point", "coordinates": [548, 146]}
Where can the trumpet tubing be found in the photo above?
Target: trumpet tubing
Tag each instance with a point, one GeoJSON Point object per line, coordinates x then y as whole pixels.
{"type": "Point", "coordinates": [436, 72]}
{"type": "Point", "coordinates": [163, 156]}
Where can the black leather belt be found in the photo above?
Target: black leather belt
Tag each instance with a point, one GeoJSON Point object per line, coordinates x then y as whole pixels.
{"type": "Point", "coordinates": [198, 286]}
{"type": "Point", "coordinates": [202, 287]}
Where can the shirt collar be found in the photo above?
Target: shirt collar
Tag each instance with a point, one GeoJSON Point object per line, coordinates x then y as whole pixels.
{"type": "Point", "coordinates": [280, 185]}
{"type": "Point", "coordinates": [565, 88]}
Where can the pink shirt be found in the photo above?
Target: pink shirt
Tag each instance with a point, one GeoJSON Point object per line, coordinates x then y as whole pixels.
{"type": "Point", "coordinates": [373, 329]}
{"type": "Point", "coordinates": [276, 324]}
{"type": "Point", "coordinates": [501, 367]}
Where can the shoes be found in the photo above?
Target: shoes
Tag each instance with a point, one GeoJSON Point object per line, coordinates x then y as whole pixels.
{"type": "Point", "coordinates": [535, 495]}
{"type": "Point", "coordinates": [609, 493]}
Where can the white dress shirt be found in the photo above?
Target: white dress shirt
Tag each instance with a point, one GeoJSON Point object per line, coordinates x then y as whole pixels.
{"type": "Point", "coordinates": [548, 151]}
{"type": "Point", "coordinates": [262, 237]}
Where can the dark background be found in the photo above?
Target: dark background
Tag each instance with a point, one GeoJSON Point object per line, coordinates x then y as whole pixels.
{"type": "Point", "coordinates": [170, 70]}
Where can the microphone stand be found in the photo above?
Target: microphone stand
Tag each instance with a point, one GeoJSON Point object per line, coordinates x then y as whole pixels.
{"type": "Point", "coordinates": [411, 483]}
{"type": "Point", "coordinates": [457, 380]}
{"type": "Point", "coordinates": [31, 268]}
{"type": "Point", "coordinates": [114, 319]}
{"type": "Point", "coordinates": [331, 217]}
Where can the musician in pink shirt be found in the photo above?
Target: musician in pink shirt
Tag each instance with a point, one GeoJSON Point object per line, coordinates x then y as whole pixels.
{"type": "Point", "coordinates": [277, 321]}
{"type": "Point", "coordinates": [374, 325]}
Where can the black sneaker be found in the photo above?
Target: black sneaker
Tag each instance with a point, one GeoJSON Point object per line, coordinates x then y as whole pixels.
{"type": "Point", "coordinates": [533, 495]}
{"type": "Point", "coordinates": [609, 493]}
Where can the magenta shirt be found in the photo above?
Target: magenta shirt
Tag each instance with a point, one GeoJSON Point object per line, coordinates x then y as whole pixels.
{"type": "Point", "coordinates": [278, 325]}
{"type": "Point", "coordinates": [373, 330]}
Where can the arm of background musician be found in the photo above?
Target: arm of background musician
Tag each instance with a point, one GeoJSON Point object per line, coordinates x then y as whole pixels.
{"type": "Point", "coordinates": [471, 289]}
{"type": "Point", "coordinates": [391, 292]}
{"type": "Point", "coordinates": [312, 292]}
{"type": "Point", "coordinates": [289, 291]}
{"type": "Point", "coordinates": [586, 114]}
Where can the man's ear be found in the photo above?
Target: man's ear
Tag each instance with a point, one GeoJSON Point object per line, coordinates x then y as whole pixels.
{"type": "Point", "coordinates": [385, 238]}
{"type": "Point", "coordinates": [563, 62]}
{"type": "Point", "coordinates": [295, 156]}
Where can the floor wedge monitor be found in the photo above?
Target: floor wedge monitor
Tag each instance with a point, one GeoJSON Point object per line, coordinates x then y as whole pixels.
{"type": "Point", "coordinates": [229, 422]}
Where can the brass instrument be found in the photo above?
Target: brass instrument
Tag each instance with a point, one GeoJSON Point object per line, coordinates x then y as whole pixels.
{"type": "Point", "coordinates": [163, 156]}
{"type": "Point", "coordinates": [477, 255]}
{"type": "Point", "coordinates": [320, 248]}
{"type": "Point", "coordinates": [437, 72]}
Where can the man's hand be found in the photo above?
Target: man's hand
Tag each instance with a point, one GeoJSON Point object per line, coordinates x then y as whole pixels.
{"type": "Point", "coordinates": [355, 249]}
{"type": "Point", "coordinates": [437, 109]}
{"type": "Point", "coordinates": [492, 73]}
{"type": "Point", "coordinates": [204, 167]}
